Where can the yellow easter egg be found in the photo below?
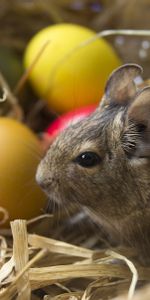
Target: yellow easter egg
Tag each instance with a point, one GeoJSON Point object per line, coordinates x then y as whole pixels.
{"type": "Point", "coordinates": [69, 73]}
{"type": "Point", "coordinates": [20, 196]}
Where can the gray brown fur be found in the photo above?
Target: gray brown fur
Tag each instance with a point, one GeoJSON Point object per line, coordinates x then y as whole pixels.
{"type": "Point", "coordinates": [118, 189]}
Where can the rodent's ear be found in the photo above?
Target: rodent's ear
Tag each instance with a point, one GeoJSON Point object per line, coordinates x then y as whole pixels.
{"type": "Point", "coordinates": [139, 110]}
{"type": "Point", "coordinates": [139, 114]}
{"type": "Point", "coordinates": [120, 87]}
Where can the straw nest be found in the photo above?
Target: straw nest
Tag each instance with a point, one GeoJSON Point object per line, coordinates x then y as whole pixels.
{"type": "Point", "coordinates": [36, 261]}
{"type": "Point", "coordinates": [38, 267]}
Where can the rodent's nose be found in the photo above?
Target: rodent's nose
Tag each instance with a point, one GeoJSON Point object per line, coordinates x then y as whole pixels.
{"type": "Point", "coordinates": [44, 183]}
{"type": "Point", "coordinates": [43, 179]}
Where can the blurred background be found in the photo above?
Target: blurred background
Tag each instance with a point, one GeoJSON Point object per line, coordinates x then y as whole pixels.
{"type": "Point", "coordinates": [21, 19]}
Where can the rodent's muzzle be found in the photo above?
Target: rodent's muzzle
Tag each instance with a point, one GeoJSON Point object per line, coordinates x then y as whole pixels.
{"type": "Point", "coordinates": [45, 179]}
{"type": "Point", "coordinates": [42, 178]}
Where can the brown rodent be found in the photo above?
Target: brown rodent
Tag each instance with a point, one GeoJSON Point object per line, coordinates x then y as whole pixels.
{"type": "Point", "coordinates": [103, 162]}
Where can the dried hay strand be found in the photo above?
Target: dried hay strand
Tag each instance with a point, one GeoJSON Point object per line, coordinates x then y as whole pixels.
{"type": "Point", "coordinates": [15, 110]}
{"type": "Point", "coordinates": [20, 237]}
{"type": "Point", "coordinates": [20, 275]}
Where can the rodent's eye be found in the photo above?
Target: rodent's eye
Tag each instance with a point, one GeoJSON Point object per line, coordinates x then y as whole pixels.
{"type": "Point", "coordinates": [88, 159]}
